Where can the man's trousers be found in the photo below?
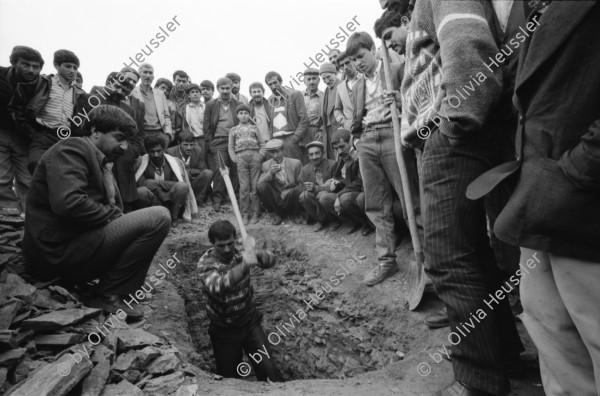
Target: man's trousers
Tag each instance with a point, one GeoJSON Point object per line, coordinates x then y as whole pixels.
{"type": "Point", "coordinates": [560, 298]}
{"type": "Point", "coordinates": [282, 203]}
{"type": "Point", "coordinates": [220, 146]}
{"type": "Point", "coordinates": [201, 184]}
{"type": "Point", "coordinates": [171, 194]}
{"type": "Point", "coordinates": [312, 203]}
{"type": "Point", "coordinates": [229, 345]}
{"type": "Point", "coordinates": [13, 166]}
{"type": "Point", "coordinates": [381, 177]}
{"type": "Point", "coordinates": [123, 258]}
{"type": "Point", "coordinates": [460, 261]}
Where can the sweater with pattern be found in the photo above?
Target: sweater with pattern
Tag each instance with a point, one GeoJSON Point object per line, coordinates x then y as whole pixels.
{"type": "Point", "coordinates": [448, 81]}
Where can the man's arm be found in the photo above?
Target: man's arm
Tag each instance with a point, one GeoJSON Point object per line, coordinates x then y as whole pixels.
{"type": "Point", "coordinates": [217, 283]}
{"type": "Point", "coordinates": [338, 109]}
{"type": "Point", "coordinates": [206, 123]}
{"type": "Point", "coordinates": [581, 164]}
{"type": "Point", "coordinates": [67, 189]}
{"type": "Point", "coordinates": [466, 45]}
{"type": "Point", "coordinates": [167, 116]}
{"type": "Point", "coordinates": [265, 175]}
{"type": "Point", "coordinates": [231, 145]}
{"type": "Point", "coordinates": [302, 116]}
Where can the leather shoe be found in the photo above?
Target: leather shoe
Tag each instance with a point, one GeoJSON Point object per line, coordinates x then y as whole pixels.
{"type": "Point", "coordinates": [354, 229]}
{"type": "Point", "coordinates": [335, 225]}
{"type": "Point", "coordinates": [458, 389]}
{"type": "Point", "coordinates": [437, 319]}
{"type": "Point", "coordinates": [318, 226]}
{"type": "Point", "coordinates": [255, 218]}
{"type": "Point", "coordinates": [112, 304]}
{"type": "Point", "coordinates": [367, 230]}
{"type": "Point", "coordinates": [276, 219]}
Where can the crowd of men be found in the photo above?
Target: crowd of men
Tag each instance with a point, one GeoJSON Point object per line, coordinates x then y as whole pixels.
{"type": "Point", "coordinates": [500, 152]}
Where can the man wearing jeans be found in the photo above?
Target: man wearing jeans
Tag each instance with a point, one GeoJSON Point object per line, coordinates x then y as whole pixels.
{"type": "Point", "coordinates": [75, 228]}
{"type": "Point", "coordinates": [376, 152]}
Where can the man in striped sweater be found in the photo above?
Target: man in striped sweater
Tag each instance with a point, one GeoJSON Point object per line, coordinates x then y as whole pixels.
{"type": "Point", "coordinates": [449, 99]}
{"type": "Point", "coordinates": [235, 322]}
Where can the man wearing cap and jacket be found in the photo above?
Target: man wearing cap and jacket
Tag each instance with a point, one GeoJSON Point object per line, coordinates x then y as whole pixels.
{"type": "Point", "coordinates": [328, 73]}
{"type": "Point", "coordinates": [317, 177]}
{"type": "Point", "coordinates": [279, 185]}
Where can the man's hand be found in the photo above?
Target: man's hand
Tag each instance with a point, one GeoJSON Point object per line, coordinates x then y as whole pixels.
{"type": "Point", "coordinates": [310, 187]}
{"type": "Point", "coordinates": [250, 251]}
{"type": "Point", "coordinates": [407, 136]}
{"type": "Point", "coordinates": [337, 206]}
{"type": "Point", "coordinates": [275, 168]}
{"type": "Point", "coordinates": [391, 96]}
{"type": "Point", "coordinates": [333, 185]}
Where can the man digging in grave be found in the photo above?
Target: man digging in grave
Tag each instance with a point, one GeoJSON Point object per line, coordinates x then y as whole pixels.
{"type": "Point", "coordinates": [235, 322]}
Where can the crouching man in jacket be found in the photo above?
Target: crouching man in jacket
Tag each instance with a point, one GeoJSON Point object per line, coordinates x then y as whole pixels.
{"type": "Point", "coordinates": [75, 228]}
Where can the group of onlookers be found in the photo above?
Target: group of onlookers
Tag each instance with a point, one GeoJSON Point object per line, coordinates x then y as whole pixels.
{"type": "Point", "coordinates": [500, 137]}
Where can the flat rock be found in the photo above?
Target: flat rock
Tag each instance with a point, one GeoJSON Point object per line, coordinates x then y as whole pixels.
{"type": "Point", "coordinates": [94, 383]}
{"type": "Point", "coordinates": [164, 385]}
{"type": "Point", "coordinates": [135, 338]}
{"type": "Point", "coordinates": [12, 357]}
{"type": "Point", "coordinates": [136, 359]}
{"type": "Point", "coordinates": [8, 311]}
{"type": "Point", "coordinates": [187, 390]}
{"type": "Point", "coordinates": [63, 293]}
{"type": "Point", "coordinates": [102, 352]}
{"type": "Point", "coordinates": [123, 388]}
{"type": "Point", "coordinates": [15, 286]}
{"type": "Point", "coordinates": [56, 378]}
{"type": "Point", "coordinates": [54, 340]}
{"type": "Point", "coordinates": [3, 374]}
{"type": "Point", "coordinates": [43, 299]}
{"type": "Point", "coordinates": [165, 364]}
{"type": "Point", "coordinates": [56, 320]}
{"type": "Point", "coordinates": [7, 340]}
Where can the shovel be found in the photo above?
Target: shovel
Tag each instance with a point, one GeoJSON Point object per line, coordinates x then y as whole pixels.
{"type": "Point", "coordinates": [236, 209]}
{"type": "Point", "coordinates": [416, 269]}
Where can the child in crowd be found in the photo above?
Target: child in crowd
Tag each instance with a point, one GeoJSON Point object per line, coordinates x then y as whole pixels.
{"type": "Point", "coordinates": [194, 116]}
{"type": "Point", "coordinates": [247, 150]}
{"type": "Point", "coordinates": [235, 322]}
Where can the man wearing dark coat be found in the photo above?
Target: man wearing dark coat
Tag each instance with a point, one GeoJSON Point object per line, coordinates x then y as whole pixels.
{"type": "Point", "coordinates": [554, 212]}
{"type": "Point", "coordinates": [75, 228]}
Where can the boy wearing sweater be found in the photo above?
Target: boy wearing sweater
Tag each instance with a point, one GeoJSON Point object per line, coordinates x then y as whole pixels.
{"type": "Point", "coordinates": [247, 150]}
{"type": "Point", "coordinates": [235, 322]}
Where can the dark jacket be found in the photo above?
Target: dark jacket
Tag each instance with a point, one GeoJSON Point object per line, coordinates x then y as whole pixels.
{"type": "Point", "coordinates": [295, 113]}
{"type": "Point", "coordinates": [211, 117]}
{"type": "Point", "coordinates": [556, 204]}
{"type": "Point", "coordinates": [178, 117]}
{"type": "Point", "coordinates": [197, 160]}
{"type": "Point", "coordinates": [327, 170]}
{"type": "Point", "coordinates": [397, 70]}
{"type": "Point", "coordinates": [9, 87]}
{"type": "Point", "coordinates": [327, 106]}
{"type": "Point", "coordinates": [352, 182]}
{"type": "Point", "coordinates": [28, 103]}
{"type": "Point", "coordinates": [268, 109]}
{"type": "Point", "coordinates": [67, 207]}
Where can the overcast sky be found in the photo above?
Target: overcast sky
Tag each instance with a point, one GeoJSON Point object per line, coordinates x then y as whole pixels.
{"type": "Point", "coordinates": [212, 38]}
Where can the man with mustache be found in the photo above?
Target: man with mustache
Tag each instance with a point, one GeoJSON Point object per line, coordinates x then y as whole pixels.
{"type": "Point", "coordinates": [313, 98]}
{"type": "Point", "coordinates": [235, 88]}
{"type": "Point", "coordinates": [157, 120]}
{"type": "Point", "coordinates": [75, 228]}
{"type": "Point", "coordinates": [344, 106]}
{"type": "Point", "coordinates": [18, 79]}
{"type": "Point", "coordinates": [330, 124]}
{"type": "Point", "coordinates": [163, 180]}
{"type": "Point", "coordinates": [261, 111]}
{"type": "Point", "coordinates": [49, 110]}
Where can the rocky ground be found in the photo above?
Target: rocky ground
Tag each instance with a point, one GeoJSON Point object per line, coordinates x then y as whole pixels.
{"type": "Point", "coordinates": [355, 340]}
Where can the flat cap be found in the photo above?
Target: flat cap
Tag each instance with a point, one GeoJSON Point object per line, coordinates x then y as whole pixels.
{"type": "Point", "coordinates": [315, 143]}
{"type": "Point", "coordinates": [327, 67]}
{"type": "Point", "coordinates": [311, 72]}
{"type": "Point", "coordinates": [274, 144]}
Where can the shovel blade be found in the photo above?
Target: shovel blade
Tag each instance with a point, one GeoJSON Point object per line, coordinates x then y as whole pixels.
{"type": "Point", "coordinates": [416, 283]}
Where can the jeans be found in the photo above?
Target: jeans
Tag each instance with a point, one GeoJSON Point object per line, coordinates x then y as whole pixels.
{"type": "Point", "coordinates": [13, 166]}
{"type": "Point", "coordinates": [229, 344]}
{"type": "Point", "coordinates": [381, 177]}
{"type": "Point", "coordinates": [248, 168]}
{"type": "Point", "coordinates": [460, 261]}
